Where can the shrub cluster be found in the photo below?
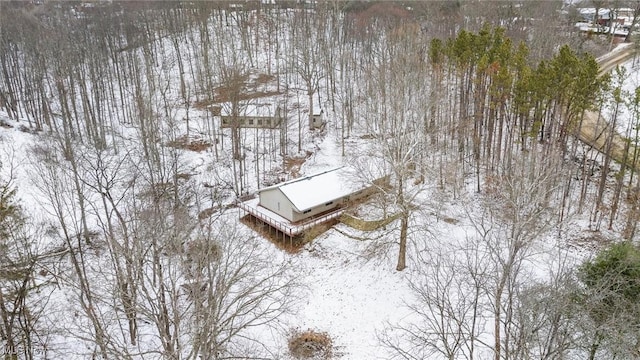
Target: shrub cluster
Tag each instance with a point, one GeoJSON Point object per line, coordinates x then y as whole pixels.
{"type": "Point", "coordinates": [310, 344]}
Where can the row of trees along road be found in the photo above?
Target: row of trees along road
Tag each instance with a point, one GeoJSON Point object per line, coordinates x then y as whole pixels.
{"type": "Point", "coordinates": [485, 106]}
{"type": "Point", "coordinates": [440, 104]}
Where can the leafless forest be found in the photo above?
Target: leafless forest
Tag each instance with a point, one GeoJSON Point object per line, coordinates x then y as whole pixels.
{"type": "Point", "coordinates": [479, 102]}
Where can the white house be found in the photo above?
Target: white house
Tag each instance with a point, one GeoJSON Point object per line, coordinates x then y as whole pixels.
{"type": "Point", "coordinates": [299, 199]}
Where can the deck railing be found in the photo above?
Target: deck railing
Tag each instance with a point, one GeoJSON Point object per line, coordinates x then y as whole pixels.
{"type": "Point", "coordinates": [288, 228]}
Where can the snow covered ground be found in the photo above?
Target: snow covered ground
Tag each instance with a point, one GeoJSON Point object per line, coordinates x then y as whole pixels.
{"type": "Point", "coordinates": [347, 291]}
{"type": "Point", "coordinates": [350, 297]}
{"type": "Point", "coordinates": [349, 288]}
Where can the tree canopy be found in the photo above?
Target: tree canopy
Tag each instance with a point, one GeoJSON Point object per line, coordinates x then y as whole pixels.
{"type": "Point", "coordinates": [611, 298]}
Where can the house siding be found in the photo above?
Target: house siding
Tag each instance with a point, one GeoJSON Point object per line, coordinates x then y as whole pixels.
{"type": "Point", "coordinates": [297, 216]}
{"type": "Point", "coordinates": [265, 122]}
{"type": "Point", "coordinates": [341, 202]}
{"type": "Point", "coordinates": [269, 199]}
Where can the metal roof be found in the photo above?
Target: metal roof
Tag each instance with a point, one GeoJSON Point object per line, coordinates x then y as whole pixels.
{"type": "Point", "coordinates": [313, 190]}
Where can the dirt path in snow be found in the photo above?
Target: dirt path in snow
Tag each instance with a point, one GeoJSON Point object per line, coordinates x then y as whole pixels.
{"type": "Point", "coordinates": [595, 130]}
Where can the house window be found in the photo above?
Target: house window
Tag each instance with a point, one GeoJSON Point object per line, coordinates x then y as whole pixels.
{"type": "Point", "coordinates": [250, 121]}
{"type": "Point", "coordinates": [307, 211]}
{"type": "Point", "coordinates": [260, 122]}
{"type": "Point", "coordinates": [329, 203]}
{"type": "Point", "coordinates": [225, 122]}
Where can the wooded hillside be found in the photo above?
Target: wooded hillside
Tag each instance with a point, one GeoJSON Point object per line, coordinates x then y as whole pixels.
{"type": "Point", "coordinates": [481, 105]}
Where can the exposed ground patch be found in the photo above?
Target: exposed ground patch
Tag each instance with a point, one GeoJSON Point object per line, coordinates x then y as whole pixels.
{"type": "Point", "coordinates": [292, 164]}
{"type": "Point", "coordinates": [242, 88]}
{"type": "Point", "coordinates": [190, 143]}
{"type": "Point", "coordinates": [290, 244]}
{"type": "Point", "coordinates": [310, 344]}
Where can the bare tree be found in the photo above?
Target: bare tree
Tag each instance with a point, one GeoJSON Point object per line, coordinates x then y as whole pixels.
{"type": "Point", "coordinates": [396, 118]}
{"type": "Point", "coordinates": [205, 285]}
{"type": "Point", "coordinates": [544, 326]}
{"type": "Point", "coordinates": [308, 62]}
{"type": "Point", "coordinates": [635, 5]}
{"type": "Point", "coordinates": [516, 213]}
{"type": "Point", "coordinates": [233, 288]}
{"type": "Point", "coordinates": [459, 287]}
{"type": "Point", "coordinates": [56, 182]}
{"type": "Point", "coordinates": [101, 173]}
{"type": "Point", "coordinates": [22, 298]}
{"type": "Point", "coordinates": [448, 307]}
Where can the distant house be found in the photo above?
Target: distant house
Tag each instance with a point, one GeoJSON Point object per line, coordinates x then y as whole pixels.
{"type": "Point", "coordinates": [296, 205]}
{"type": "Point", "coordinates": [252, 116]}
{"type": "Point", "coordinates": [607, 17]}
{"type": "Point", "coordinates": [317, 120]}
{"type": "Point", "coordinates": [268, 4]}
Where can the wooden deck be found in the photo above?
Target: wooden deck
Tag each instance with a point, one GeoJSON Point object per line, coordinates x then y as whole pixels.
{"type": "Point", "coordinates": [283, 225]}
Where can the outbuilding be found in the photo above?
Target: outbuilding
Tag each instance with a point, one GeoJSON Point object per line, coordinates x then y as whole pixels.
{"type": "Point", "coordinates": [317, 120]}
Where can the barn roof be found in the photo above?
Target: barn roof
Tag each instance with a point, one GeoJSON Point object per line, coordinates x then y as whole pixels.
{"type": "Point", "coordinates": [313, 190]}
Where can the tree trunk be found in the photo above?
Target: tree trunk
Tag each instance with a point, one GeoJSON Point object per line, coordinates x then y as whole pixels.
{"type": "Point", "coordinates": [402, 253]}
